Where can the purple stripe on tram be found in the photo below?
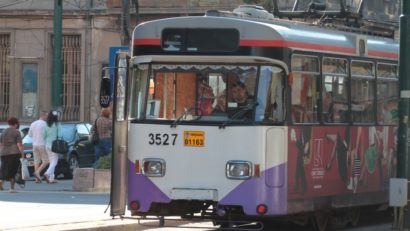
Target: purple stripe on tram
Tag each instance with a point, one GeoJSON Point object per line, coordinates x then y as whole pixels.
{"type": "Point", "coordinates": [253, 192]}
{"type": "Point", "coordinates": [150, 191]}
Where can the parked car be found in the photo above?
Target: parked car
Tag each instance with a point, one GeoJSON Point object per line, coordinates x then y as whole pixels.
{"type": "Point", "coordinates": [23, 128]}
{"type": "Point", "coordinates": [80, 154]}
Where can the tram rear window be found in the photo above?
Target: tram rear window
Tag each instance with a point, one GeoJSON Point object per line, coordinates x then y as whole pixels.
{"type": "Point", "coordinates": [200, 40]}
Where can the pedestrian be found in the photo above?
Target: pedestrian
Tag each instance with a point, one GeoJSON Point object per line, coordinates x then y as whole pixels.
{"type": "Point", "coordinates": [40, 155]}
{"type": "Point", "coordinates": [11, 152]}
{"type": "Point", "coordinates": [103, 124]}
{"type": "Point", "coordinates": [50, 134]}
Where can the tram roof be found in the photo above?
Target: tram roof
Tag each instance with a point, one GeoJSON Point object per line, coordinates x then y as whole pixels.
{"type": "Point", "coordinates": [275, 33]}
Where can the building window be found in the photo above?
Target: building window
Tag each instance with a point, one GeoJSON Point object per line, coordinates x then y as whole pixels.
{"type": "Point", "coordinates": [4, 76]}
{"type": "Point", "coordinates": [71, 58]}
{"type": "Point", "coordinates": [29, 91]}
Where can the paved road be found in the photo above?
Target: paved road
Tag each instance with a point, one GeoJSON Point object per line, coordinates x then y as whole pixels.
{"type": "Point", "coordinates": [52, 207]}
{"type": "Point", "coordinates": [57, 207]}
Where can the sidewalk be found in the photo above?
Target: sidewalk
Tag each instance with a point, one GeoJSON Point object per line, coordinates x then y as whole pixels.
{"type": "Point", "coordinates": [57, 207]}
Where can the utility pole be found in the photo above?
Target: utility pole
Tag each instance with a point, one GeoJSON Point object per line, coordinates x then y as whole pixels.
{"type": "Point", "coordinates": [56, 80]}
{"type": "Point", "coordinates": [137, 12]}
{"type": "Point", "coordinates": [404, 84]}
{"type": "Point", "coordinates": [125, 21]}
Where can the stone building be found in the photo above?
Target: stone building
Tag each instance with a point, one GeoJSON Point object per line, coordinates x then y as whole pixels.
{"type": "Point", "coordinates": [90, 28]}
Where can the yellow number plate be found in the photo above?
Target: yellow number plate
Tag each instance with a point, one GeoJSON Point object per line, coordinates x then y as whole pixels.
{"type": "Point", "coordinates": [194, 139]}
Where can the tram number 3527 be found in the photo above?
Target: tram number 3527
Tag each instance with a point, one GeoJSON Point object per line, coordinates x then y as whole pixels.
{"type": "Point", "coordinates": [162, 139]}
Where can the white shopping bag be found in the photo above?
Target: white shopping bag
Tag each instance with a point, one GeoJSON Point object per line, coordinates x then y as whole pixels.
{"type": "Point", "coordinates": [24, 169]}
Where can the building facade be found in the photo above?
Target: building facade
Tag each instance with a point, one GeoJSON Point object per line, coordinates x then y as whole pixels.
{"type": "Point", "coordinates": [90, 28]}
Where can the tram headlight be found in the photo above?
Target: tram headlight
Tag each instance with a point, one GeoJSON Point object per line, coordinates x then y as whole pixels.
{"type": "Point", "coordinates": [238, 169]}
{"type": "Point", "coordinates": [153, 167]}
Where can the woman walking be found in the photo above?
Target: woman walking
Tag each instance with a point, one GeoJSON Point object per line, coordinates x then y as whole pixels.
{"type": "Point", "coordinates": [11, 152]}
{"type": "Point", "coordinates": [50, 134]}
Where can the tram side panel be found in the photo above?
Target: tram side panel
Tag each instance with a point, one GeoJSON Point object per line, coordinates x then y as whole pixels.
{"type": "Point", "coordinates": [336, 162]}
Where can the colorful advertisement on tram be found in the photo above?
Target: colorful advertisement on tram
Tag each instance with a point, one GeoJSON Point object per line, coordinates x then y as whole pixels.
{"type": "Point", "coordinates": [340, 160]}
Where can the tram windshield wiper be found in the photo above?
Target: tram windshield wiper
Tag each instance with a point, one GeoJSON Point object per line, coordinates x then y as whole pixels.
{"type": "Point", "coordinates": [240, 113]}
{"type": "Point", "coordinates": [183, 116]}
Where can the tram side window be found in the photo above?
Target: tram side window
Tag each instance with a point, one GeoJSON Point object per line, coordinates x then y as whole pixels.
{"type": "Point", "coordinates": [334, 91]}
{"type": "Point", "coordinates": [362, 91]}
{"type": "Point", "coordinates": [305, 72]}
{"type": "Point", "coordinates": [138, 91]}
{"type": "Point", "coordinates": [270, 106]}
{"type": "Point", "coordinates": [387, 94]}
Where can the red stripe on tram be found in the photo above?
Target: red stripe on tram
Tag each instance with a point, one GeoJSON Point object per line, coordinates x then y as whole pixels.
{"type": "Point", "coordinates": [290, 44]}
{"type": "Point", "coordinates": [383, 54]}
{"type": "Point", "coordinates": [154, 41]}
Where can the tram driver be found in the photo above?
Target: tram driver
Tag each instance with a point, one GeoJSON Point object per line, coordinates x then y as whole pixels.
{"type": "Point", "coordinates": [239, 93]}
{"type": "Point", "coordinates": [240, 106]}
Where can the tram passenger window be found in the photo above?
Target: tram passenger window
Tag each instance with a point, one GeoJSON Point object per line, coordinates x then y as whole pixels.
{"type": "Point", "coordinates": [305, 71]}
{"type": "Point", "coordinates": [270, 95]}
{"type": "Point", "coordinates": [334, 99]}
{"type": "Point", "coordinates": [362, 91]}
{"type": "Point", "coordinates": [387, 94]}
{"type": "Point", "coordinates": [334, 91]}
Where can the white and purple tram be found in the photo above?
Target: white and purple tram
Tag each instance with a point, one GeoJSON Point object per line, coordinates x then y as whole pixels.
{"type": "Point", "coordinates": [249, 119]}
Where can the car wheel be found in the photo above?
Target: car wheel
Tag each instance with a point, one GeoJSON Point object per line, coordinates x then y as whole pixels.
{"type": "Point", "coordinates": [72, 165]}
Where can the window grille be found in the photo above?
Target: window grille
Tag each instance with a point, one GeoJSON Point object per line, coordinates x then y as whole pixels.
{"type": "Point", "coordinates": [71, 58]}
{"type": "Point", "coordinates": [4, 76]}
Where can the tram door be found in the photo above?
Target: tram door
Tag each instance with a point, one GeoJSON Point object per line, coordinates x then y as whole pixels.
{"type": "Point", "coordinates": [119, 135]}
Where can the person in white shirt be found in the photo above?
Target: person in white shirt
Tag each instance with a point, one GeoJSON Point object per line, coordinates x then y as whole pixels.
{"type": "Point", "coordinates": [40, 156]}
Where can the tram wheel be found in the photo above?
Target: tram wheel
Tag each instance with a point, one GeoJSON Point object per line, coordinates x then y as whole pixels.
{"type": "Point", "coordinates": [320, 220]}
{"type": "Point", "coordinates": [354, 215]}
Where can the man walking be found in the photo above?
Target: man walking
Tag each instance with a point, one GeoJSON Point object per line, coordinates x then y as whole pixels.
{"type": "Point", "coordinates": [36, 131]}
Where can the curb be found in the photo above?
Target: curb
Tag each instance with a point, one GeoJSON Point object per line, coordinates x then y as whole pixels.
{"type": "Point", "coordinates": [101, 225]}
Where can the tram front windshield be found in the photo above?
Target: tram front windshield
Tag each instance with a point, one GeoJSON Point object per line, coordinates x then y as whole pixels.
{"type": "Point", "coordinates": [206, 93]}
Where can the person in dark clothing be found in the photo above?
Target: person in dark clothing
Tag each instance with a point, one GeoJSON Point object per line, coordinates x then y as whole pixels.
{"type": "Point", "coordinates": [244, 103]}
{"type": "Point", "coordinates": [103, 126]}
{"type": "Point", "coordinates": [11, 152]}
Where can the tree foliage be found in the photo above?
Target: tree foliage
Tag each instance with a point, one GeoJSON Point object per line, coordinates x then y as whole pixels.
{"type": "Point", "coordinates": [104, 162]}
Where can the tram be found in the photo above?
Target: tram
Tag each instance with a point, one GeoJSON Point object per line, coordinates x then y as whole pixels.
{"type": "Point", "coordinates": [238, 119]}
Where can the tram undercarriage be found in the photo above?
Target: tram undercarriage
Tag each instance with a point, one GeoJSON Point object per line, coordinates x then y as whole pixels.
{"type": "Point", "coordinates": [321, 217]}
